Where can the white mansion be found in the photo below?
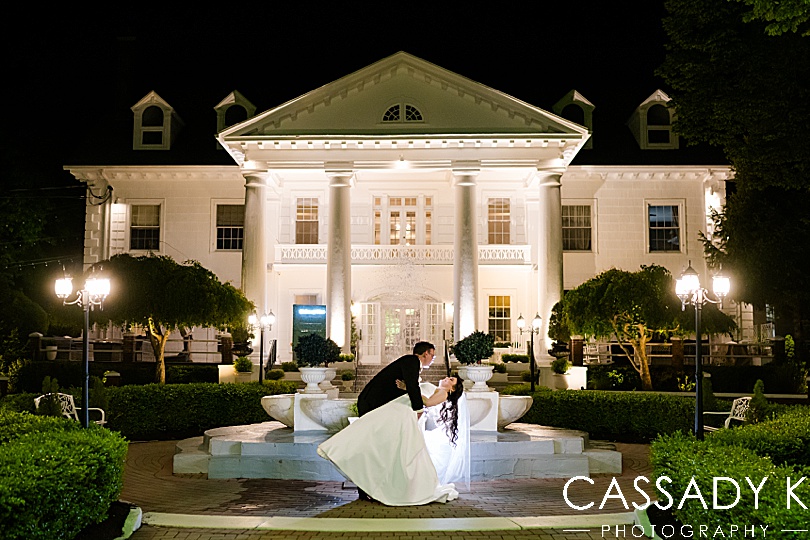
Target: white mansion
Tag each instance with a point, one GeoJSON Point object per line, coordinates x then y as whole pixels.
{"type": "Point", "coordinates": [408, 197]}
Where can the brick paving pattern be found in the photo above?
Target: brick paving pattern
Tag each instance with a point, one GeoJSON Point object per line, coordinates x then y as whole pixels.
{"type": "Point", "coordinates": [149, 483]}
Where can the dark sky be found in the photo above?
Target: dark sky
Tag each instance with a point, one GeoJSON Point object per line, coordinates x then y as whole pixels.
{"type": "Point", "coordinates": [61, 71]}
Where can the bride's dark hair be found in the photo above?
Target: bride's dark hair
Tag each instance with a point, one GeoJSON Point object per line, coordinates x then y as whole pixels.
{"type": "Point", "coordinates": [449, 411]}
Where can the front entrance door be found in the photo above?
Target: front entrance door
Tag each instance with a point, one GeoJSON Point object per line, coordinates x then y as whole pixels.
{"type": "Point", "coordinates": [402, 330]}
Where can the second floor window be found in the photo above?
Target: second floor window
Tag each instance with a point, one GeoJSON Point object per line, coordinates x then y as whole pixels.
{"type": "Point", "coordinates": [230, 226]}
{"type": "Point", "coordinates": [306, 220]}
{"type": "Point", "coordinates": [144, 230]}
{"type": "Point", "coordinates": [498, 221]}
{"type": "Point", "coordinates": [665, 228]}
{"type": "Point", "coordinates": [407, 221]}
{"type": "Point", "coordinates": [576, 227]}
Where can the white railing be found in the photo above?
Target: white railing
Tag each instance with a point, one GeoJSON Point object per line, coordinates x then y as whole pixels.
{"type": "Point", "coordinates": [316, 254]}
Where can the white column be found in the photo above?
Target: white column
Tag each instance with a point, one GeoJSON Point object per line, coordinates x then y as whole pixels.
{"type": "Point", "coordinates": [338, 260]}
{"type": "Point", "coordinates": [254, 246]}
{"type": "Point", "coordinates": [465, 263]}
{"type": "Point", "coordinates": [549, 253]}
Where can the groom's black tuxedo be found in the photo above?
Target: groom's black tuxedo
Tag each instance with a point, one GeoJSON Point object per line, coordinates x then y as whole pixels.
{"type": "Point", "coordinates": [383, 387]}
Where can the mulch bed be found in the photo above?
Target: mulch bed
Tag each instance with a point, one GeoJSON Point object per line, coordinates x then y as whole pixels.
{"type": "Point", "coordinates": [110, 528]}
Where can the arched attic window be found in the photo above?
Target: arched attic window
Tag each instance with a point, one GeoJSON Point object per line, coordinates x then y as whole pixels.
{"type": "Point", "coordinates": [574, 107]}
{"type": "Point", "coordinates": [235, 114]}
{"type": "Point", "coordinates": [659, 125]}
{"type": "Point", "coordinates": [651, 123]}
{"type": "Point", "coordinates": [155, 124]}
{"type": "Point", "coordinates": [402, 112]}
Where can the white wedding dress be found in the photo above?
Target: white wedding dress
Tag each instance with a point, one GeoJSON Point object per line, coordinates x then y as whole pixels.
{"type": "Point", "coordinates": [386, 454]}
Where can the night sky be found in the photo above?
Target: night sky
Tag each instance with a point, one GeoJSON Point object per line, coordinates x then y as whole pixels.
{"type": "Point", "coordinates": [62, 71]}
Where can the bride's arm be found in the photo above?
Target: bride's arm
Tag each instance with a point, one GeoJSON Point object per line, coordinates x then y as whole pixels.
{"type": "Point", "coordinates": [438, 397]}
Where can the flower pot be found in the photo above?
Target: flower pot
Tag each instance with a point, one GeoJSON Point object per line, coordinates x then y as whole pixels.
{"type": "Point", "coordinates": [312, 376]}
{"type": "Point", "coordinates": [479, 375]}
{"type": "Point", "coordinates": [560, 381]}
{"type": "Point", "coordinates": [50, 352]}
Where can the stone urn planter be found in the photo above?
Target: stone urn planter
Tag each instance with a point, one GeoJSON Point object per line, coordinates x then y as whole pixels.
{"type": "Point", "coordinates": [479, 374]}
{"type": "Point", "coordinates": [313, 376]}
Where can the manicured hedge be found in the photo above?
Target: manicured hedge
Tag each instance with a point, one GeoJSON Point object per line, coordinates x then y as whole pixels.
{"type": "Point", "coordinates": [682, 458]}
{"type": "Point", "coordinates": [178, 411]}
{"type": "Point", "coordinates": [56, 478]}
{"type": "Point", "coordinates": [784, 439]}
{"type": "Point", "coordinates": [617, 416]}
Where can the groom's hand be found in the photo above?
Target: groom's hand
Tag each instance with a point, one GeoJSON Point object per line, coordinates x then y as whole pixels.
{"type": "Point", "coordinates": [401, 385]}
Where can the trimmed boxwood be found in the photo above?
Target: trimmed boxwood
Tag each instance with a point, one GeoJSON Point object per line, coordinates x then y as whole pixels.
{"type": "Point", "coordinates": [56, 478]}
{"type": "Point", "coordinates": [682, 458]}
{"type": "Point", "coordinates": [178, 411]}
{"type": "Point", "coordinates": [618, 416]}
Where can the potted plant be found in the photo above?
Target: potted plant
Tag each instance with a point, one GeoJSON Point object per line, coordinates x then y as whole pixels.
{"type": "Point", "coordinates": [470, 351]}
{"type": "Point", "coordinates": [243, 367]}
{"type": "Point", "coordinates": [313, 354]}
{"type": "Point", "coordinates": [560, 366]}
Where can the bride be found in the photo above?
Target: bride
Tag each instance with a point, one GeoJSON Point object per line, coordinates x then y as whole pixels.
{"type": "Point", "coordinates": [401, 461]}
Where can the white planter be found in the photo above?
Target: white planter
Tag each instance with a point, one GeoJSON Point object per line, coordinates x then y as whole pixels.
{"type": "Point", "coordinates": [243, 376]}
{"type": "Point", "coordinates": [561, 382]}
{"type": "Point", "coordinates": [50, 352]}
{"type": "Point", "coordinates": [479, 375]}
{"type": "Point", "coordinates": [326, 383]}
{"type": "Point", "coordinates": [313, 376]}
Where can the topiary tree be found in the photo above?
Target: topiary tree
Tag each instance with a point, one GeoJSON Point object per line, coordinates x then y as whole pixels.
{"type": "Point", "coordinates": [474, 348]}
{"type": "Point", "coordinates": [314, 350]}
{"type": "Point", "coordinates": [632, 307]}
{"type": "Point", "coordinates": [163, 295]}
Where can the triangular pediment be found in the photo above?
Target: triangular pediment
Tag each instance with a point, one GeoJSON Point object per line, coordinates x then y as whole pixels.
{"type": "Point", "coordinates": [658, 96]}
{"type": "Point", "coordinates": [402, 95]}
{"type": "Point", "coordinates": [152, 98]}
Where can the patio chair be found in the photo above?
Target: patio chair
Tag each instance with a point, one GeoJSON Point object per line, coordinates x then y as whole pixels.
{"type": "Point", "coordinates": [69, 409]}
{"type": "Point", "coordinates": [739, 408]}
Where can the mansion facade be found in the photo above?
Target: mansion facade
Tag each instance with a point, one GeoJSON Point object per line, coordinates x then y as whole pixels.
{"type": "Point", "coordinates": [414, 201]}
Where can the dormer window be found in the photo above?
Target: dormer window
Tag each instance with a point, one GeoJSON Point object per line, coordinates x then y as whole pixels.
{"type": "Point", "coordinates": [577, 109]}
{"type": "Point", "coordinates": [235, 108]}
{"type": "Point", "coordinates": [651, 123]}
{"type": "Point", "coordinates": [155, 124]}
{"type": "Point", "coordinates": [402, 112]}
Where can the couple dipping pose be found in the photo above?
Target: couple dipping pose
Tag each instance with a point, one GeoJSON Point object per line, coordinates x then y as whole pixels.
{"type": "Point", "coordinates": [397, 454]}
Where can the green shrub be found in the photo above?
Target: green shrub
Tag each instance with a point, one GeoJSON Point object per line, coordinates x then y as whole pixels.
{"type": "Point", "coordinates": [178, 411]}
{"type": "Point", "coordinates": [499, 368]}
{"type": "Point", "coordinates": [523, 358]}
{"type": "Point", "coordinates": [617, 416]}
{"type": "Point", "coordinates": [560, 365]}
{"type": "Point", "coordinates": [289, 366]}
{"type": "Point", "coordinates": [188, 373]}
{"type": "Point", "coordinates": [346, 358]}
{"type": "Point", "coordinates": [314, 350]}
{"type": "Point", "coordinates": [55, 477]}
{"type": "Point", "coordinates": [474, 348]}
{"type": "Point", "coordinates": [526, 376]}
{"type": "Point", "coordinates": [759, 409]}
{"type": "Point", "coordinates": [685, 459]}
{"type": "Point", "coordinates": [275, 374]}
{"type": "Point", "coordinates": [502, 345]}
{"type": "Point", "coordinates": [242, 364]}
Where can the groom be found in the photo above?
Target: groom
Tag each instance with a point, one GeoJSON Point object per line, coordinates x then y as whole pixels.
{"type": "Point", "coordinates": [383, 387]}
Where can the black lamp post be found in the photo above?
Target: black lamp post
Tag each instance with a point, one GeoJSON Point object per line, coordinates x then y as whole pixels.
{"type": "Point", "coordinates": [94, 292]}
{"type": "Point", "coordinates": [535, 329]}
{"type": "Point", "coordinates": [691, 293]}
{"type": "Point", "coordinates": [265, 321]}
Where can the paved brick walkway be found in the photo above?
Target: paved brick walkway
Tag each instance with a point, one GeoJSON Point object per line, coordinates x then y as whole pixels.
{"type": "Point", "coordinates": [149, 483]}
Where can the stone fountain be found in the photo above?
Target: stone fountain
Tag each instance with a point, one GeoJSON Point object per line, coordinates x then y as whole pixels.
{"type": "Point", "coordinates": [285, 448]}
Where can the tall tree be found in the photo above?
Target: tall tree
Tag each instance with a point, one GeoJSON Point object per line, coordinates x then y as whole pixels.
{"type": "Point", "coordinates": [745, 87]}
{"type": "Point", "coordinates": [163, 295]}
{"type": "Point", "coordinates": [631, 307]}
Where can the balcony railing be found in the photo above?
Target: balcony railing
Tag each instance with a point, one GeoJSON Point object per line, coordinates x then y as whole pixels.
{"type": "Point", "coordinates": [316, 254]}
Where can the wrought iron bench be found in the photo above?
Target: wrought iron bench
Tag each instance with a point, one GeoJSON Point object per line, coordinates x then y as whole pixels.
{"type": "Point", "coordinates": [69, 409]}
{"type": "Point", "coordinates": [739, 408]}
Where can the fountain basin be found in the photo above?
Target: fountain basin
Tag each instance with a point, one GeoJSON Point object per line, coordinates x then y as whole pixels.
{"type": "Point", "coordinates": [511, 408]}
{"type": "Point", "coordinates": [280, 407]}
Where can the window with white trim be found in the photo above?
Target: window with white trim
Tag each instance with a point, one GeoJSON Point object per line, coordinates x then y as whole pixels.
{"type": "Point", "coordinates": [144, 227]}
{"type": "Point", "coordinates": [499, 318]}
{"type": "Point", "coordinates": [306, 220]}
{"type": "Point", "coordinates": [576, 227]}
{"type": "Point", "coordinates": [408, 220]}
{"type": "Point", "coordinates": [659, 125]}
{"type": "Point", "coordinates": [498, 221]}
{"type": "Point", "coordinates": [664, 231]}
{"type": "Point", "coordinates": [230, 227]}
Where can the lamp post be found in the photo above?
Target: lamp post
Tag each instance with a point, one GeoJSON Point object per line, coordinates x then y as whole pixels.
{"type": "Point", "coordinates": [265, 321]}
{"type": "Point", "coordinates": [691, 293]}
{"type": "Point", "coordinates": [535, 329]}
{"type": "Point", "coordinates": [94, 292]}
